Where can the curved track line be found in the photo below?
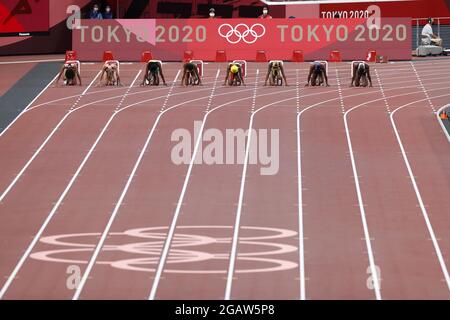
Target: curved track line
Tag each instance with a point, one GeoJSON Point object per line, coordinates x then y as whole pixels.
{"type": "Point", "coordinates": [374, 273]}
{"type": "Point", "coordinates": [57, 204]}
{"type": "Point", "coordinates": [154, 287]}
{"type": "Point", "coordinates": [416, 189]}
{"type": "Point", "coordinates": [64, 118]}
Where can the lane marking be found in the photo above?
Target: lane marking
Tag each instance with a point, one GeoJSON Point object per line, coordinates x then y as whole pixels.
{"type": "Point", "coordinates": [36, 153]}
{"type": "Point", "coordinates": [237, 223]}
{"type": "Point", "coordinates": [423, 209]}
{"type": "Point", "coordinates": [27, 252]}
{"type": "Point", "coordinates": [116, 208]}
{"type": "Point", "coordinates": [373, 270]}
{"type": "Point", "coordinates": [247, 98]}
{"type": "Point", "coordinates": [422, 86]}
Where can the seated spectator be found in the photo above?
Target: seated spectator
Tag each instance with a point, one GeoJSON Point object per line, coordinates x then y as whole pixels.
{"type": "Point", "coordinates": [265, 14]}
{"type": "Point", "coordinates": [108, 13]}
{"type": "Point", "coordinates": [95, 13]}
{"type": "Point", "coordinates": [428, 37]}
{"type": "Point", "coordinates": [212, 13]}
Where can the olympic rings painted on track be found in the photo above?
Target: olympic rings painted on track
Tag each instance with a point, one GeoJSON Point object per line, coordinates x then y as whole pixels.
{"type": "Point", "coordinates": [139, 249]}
{"type": "Point", "coordinates": [241, 32]}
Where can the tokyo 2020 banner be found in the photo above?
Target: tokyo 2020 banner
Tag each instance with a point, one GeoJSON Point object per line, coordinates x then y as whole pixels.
{"type": "Point", "coordinates": [167, 39]}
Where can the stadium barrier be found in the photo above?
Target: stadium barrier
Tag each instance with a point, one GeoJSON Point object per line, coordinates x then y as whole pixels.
{"type": "Point", "coordinates": [173, 39]}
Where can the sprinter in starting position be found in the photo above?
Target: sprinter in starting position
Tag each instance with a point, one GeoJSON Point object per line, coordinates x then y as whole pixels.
{"type": "Point", "coordinates": [234, 75]}
{"type": "Point", "coordinates": [361, 75]}
{"type": "Point", "coordinates": [275, 74]}
{"type": "Point", "coordinates": [153, 70]}
{"type": "Point", "coordinates": [190, 75]}
{"type": "Point", "coordinates": [317, 75]}
{"type": "Point", "coordinates": [70, 73]}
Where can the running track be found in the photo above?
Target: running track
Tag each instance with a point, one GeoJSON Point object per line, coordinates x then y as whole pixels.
{"type": "Point", "coordinates": [357, 210]}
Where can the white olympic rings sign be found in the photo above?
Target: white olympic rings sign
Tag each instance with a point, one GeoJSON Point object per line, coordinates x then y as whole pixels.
{"type": "Point", "coordinates": [241, 32]}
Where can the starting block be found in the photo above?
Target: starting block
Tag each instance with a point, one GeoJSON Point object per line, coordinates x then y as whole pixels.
{"type": "Point", "coordinates": [261, 56]}
{"type": "Point", "coordinates": [77, 62]}
{"type": "Point", "coordinates": [221, 56]}
{"type": "Point", "coordinates": [117, 62]}
{"type": "Point", "coordinates": [353, 65]}
{"type": "Point", "coordinates": [188, 55]}
{"type": "Point", "coordinates": [324, 63]}
{"type": "Point", "coordinates": [199, 64]}
{"type": "Point", "coordinates": [107, 55]}
{"type": "Point", "coordinates": [71, 55]}
{"type": "Point", "coordinates": [335, 56]}
{"type": "Point", "coordinates": [243, 64]}
{"type": "Point", "coordinates": [371, 56]}
{"type": "Point", "coordinates": [297, 56]}
{"type": "Point", "coordinates": [146, 56]}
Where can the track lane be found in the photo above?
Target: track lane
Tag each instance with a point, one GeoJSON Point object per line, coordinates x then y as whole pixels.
{"type": "Point", "coordinates": [399, 236]}
{"type": "Point", "coordinates": [47, 175]}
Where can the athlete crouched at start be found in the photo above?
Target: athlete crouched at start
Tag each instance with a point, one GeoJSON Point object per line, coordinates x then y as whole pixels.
{"type": "Point", "coordinates": [70, 73]}
{"type": "Point", "coordinates": [275, 74]}
{"type": "Point", "coordinates": [153, 70]}
{"type": "Point", "coordinates": [190, 75]}
{"type": "Point", "coordinates": [361, 75]}
{"type": "Point", "coordinates": [317, 75]}
{"type": "Point", "coordinates": [111, 69]}
{"type": "Point", "coordinates": [234, 75]}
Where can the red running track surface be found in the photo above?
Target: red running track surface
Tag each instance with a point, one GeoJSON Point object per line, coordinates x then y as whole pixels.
{"type": "Point", "coordinates": [93, 207]}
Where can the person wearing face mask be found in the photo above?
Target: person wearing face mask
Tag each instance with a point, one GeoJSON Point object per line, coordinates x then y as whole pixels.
{"type": "Point", "coordinates": [265, 14]}
{"type": "Point", "coordinates": [95, 13]}
{"type": "Point", "coordinates": [108, 13]}
{"type": "Point", "coordinates": [212, 13]}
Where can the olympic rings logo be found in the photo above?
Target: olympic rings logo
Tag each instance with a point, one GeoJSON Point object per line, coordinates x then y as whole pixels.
{"type": "Point", "coordinates": [241, 32]}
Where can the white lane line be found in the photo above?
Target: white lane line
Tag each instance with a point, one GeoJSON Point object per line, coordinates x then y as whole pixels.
{"type": "Point", "coordinates": [373, 269]}
{"type": "Point", "coordinates": [106, 231]}
{"type": "Point", "coordinates": [26, 108]}
{"type": "Point", "coordinates": [362, 211]}
{"type": "Point", "coordinates": [422, 86]}
{"type": "Point", "coordinates": [382, 91]}
{"type": "Point", "coordinates": [212, 92]}
{"type": "Point", "coordinates": [54, 209]}
{"type": "Point", "coordinates": [237, 223]}
{"type": "Point", "coordinates": [117, 206]}
{"type": "Point", "coordinates": [36, 153]}
{"type": "Point", "coordinates": [197, 99]}
{"type": "Point", "coordinates": [437, 249]}
{"type": "Point", "coordinates": [301, 235]}
{"type": "Point", "coordinates": [171, 231]}
{"type": "Point", "coordinates": [69, 112]}
{"type": "Point", "coordinates": [432, 75]}
{"type": "Point", "coordinates": [441, 124]}
{"type": "Point", "coordinates": [341, 99]}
